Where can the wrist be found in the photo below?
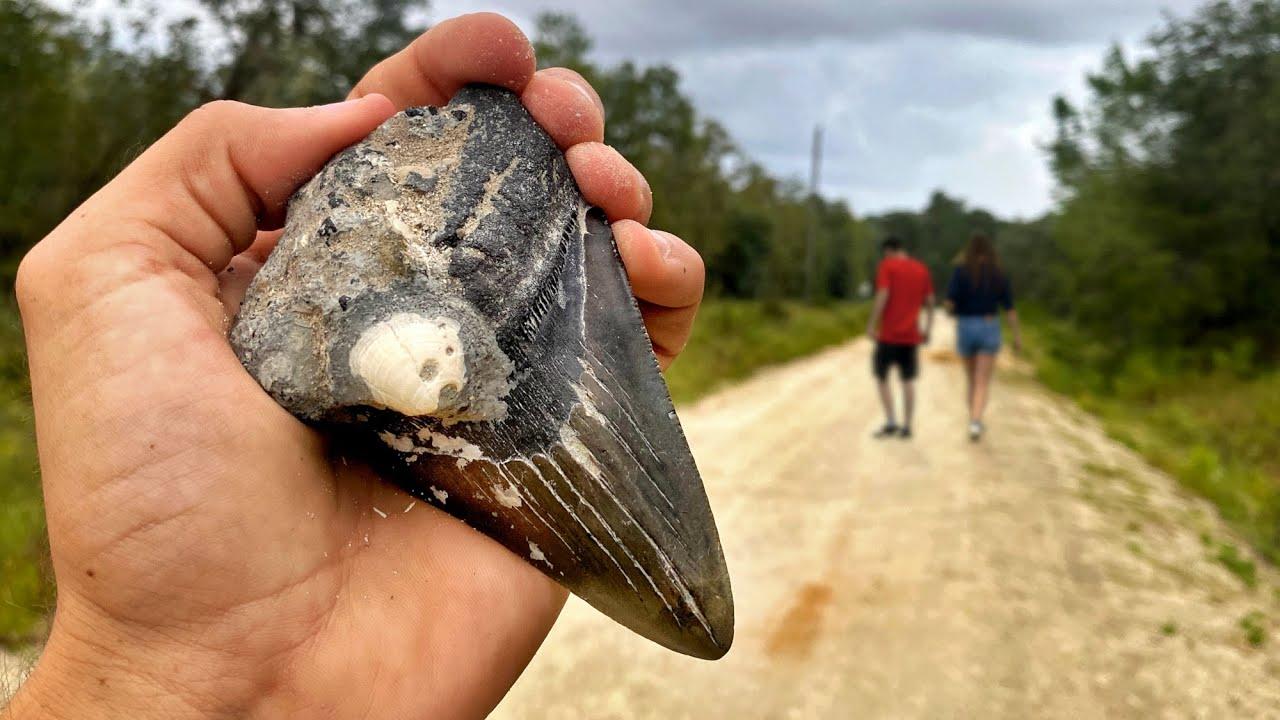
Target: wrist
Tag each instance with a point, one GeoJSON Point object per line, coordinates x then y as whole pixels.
{"type": "Point", "coordinates": [98, 671]}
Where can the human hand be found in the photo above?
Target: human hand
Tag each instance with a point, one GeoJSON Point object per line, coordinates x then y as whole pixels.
{"type": "Point", "coordinates": [211, 558]}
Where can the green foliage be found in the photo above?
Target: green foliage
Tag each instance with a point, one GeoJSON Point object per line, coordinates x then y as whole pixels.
{"type": "Point", "coordinates": [1240, 566]}
{"type": "Point", "coordinates": [75, 110]}
{"type": "Point", "coordinates": [1216, 430]}
{"type": "Point", "coordinates": [1169, 629]}
{"type": "Point", "coordinates": [1254, 626]}
{"type": "Point", "coordinates": [302, 52]}
{"type": "Point", "coordinates": [734, 338]}
{"type": "Point", "coordinates": [1169, 229]}
{"type": "Point", "coordinates": [78, 105]}
{"type": "Point", "coordinates": [26, 593]}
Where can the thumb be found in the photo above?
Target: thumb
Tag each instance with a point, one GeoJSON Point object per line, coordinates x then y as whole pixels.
{"type": "Point", "coordinates": [224, 172]}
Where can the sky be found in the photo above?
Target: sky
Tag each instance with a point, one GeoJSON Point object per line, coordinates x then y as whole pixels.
{"type": "Point", "coordinates": [913, 95]}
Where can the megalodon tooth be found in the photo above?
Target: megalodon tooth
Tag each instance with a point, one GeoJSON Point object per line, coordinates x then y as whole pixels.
{"type": "Point", "coordinates": [443, 299]}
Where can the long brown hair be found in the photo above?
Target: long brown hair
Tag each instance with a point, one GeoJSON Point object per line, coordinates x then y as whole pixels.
{"type": "Point", "coordinates": [981, 260]}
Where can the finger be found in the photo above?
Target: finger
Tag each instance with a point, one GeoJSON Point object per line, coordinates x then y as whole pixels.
{"type": "Point", "coordinates": [664, 270]}
{"type": "Point", "coordinates": [575, 77]}
{"type": "Point", "coordinates": [566, 106]}
{"type": "Point", "coordinates": [609, 182]}
{"type": "Point", "coordinates": [229, 169]}
{"type": "Point", "coordinates": [667, 278]}
{"type": "Point", "coordinates": [480, 47]}
{"type": "Point", "coordinates": [233, 281]}
{"type": "Point", "coordinates": [669, 330]}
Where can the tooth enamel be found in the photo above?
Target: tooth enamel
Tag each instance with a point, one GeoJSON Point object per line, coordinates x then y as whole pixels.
{"type": "Point", "coordinates": [408, 360]}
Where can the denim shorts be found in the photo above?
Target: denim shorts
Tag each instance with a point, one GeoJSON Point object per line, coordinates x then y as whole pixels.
{"type": "Point", "coordinates": [977, 335]}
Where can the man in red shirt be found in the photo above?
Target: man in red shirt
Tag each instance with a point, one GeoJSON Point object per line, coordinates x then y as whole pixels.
{"type": "Point", "coordinates": [903, 287]}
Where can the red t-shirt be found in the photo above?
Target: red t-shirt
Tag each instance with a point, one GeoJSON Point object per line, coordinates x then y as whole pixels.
{"type": "Point", "coordinates": [909, 284]}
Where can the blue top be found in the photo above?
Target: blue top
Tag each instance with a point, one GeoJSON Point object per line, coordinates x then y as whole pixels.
{"type": "Point", "coordinates": [988, 297]}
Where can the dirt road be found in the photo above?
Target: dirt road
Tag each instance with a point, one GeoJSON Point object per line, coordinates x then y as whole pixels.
{"type": "Point", "coordinates": [1047, 572]}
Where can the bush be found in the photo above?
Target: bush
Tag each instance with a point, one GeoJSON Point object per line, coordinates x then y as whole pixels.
{"type": "Point", "coordinates": [26, 593]}
{"type": "Point", "coordinates": [1217, 431]}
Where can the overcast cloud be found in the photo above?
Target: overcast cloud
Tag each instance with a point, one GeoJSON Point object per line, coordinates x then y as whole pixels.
{"type": "Point", "coordinates": [914, 94]}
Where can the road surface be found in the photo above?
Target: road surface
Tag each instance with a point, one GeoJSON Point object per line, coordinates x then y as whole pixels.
{"type": "Point", "coordinates": [1047, 572]}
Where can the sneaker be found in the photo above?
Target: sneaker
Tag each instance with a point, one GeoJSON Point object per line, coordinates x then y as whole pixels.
{"type": "Point", "coordinates": [888, 431]}
{"type": "Point", "coordinates": [904, 432]}
{"type": "Point", "coordinates": [975, 431]}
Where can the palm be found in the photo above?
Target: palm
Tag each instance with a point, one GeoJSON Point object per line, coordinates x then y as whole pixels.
{"type": "Point", "coordinates": [257, 523]}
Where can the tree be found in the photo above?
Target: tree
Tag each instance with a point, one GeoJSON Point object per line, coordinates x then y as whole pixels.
{"type": "Point", "coordinates": [1178, 152]}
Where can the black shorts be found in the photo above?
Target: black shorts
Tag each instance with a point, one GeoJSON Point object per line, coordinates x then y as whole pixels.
{"type": "Point", "coordinates": [906, 357]}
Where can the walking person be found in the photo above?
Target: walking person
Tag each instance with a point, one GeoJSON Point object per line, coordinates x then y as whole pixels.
{"type": "Point", "coordinates": [979, 290]}
{"type": "Point", "coordinates": [903, 287]}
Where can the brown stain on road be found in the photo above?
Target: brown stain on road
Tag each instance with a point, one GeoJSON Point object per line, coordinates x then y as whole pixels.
{"type": "Point", "coordinates": [801, 624]}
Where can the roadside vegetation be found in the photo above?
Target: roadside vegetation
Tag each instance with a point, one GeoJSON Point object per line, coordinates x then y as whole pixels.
{"type": "Point", "coordinates": [734, 338]}
{"type": "Point", "coordinates": [1212, 422]}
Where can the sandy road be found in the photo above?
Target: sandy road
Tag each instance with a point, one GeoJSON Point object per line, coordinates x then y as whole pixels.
{"type": "Point", "coordinates": [1047, 572]}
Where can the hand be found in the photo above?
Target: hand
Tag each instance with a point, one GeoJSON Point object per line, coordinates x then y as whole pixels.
{"type": "Point", "coordinates": [211, 558]}
{"type": "Point", "coordinates": [872, 331]}
{"type": "Point", "coordinates": [1017, 344]}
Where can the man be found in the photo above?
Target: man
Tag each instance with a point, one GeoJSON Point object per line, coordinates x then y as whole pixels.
{"type": "Point", "coordinates": [903, 286]}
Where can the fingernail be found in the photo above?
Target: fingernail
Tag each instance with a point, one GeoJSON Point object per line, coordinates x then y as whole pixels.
{"type": "Point", "coordinates": [664, 241]}
{"type": "Point", "coordinates": [581, 91]}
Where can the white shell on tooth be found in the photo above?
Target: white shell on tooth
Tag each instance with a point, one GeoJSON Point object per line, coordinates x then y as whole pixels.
{"type": "Point", "coordinates": [407, 360]}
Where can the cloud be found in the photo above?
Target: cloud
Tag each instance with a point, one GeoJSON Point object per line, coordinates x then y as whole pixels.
{"type": "Point", "coordinates": [915, 95]}
{"type": "Point", "coordinates": [666, 26]}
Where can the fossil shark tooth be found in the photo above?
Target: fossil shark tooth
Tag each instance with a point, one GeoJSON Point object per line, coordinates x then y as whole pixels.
{"type": "Point", "coordinates": [443, 299]}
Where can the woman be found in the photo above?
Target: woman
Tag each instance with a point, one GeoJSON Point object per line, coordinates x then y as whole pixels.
{"type": "Point", "coordinates": [978, 291]}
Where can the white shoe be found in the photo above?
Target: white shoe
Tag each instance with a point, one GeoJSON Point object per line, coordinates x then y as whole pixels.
{"type": "Point", "coordinates": [975, 431]}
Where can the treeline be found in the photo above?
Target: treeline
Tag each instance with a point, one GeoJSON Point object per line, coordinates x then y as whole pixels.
{"type": "Point", "coordinates": [1168, 235]}
{"type": "Point", "coordinates": [80, 101]}
{"type": "Point", "coordinates": [1164, 248]}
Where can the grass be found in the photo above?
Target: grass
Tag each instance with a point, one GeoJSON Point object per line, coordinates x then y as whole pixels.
{"type": "Point", "coordinates": [734, 338]}
{"type": "Point", "coordinates": [1213, 422]}
{"type": "Point", "coordinates": [1254, 627]}
{"type": "Point", "coordinates": [26, 581]}
{"type": "Point", "coordinates": [1230, 557]}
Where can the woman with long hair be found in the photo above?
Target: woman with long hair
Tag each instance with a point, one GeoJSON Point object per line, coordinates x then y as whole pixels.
{"type": "Point", "coordinates": [979, 290]}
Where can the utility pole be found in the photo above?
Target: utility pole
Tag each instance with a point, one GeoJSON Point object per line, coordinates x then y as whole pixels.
{"type": "Point", "coordinates": [811, 239]}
